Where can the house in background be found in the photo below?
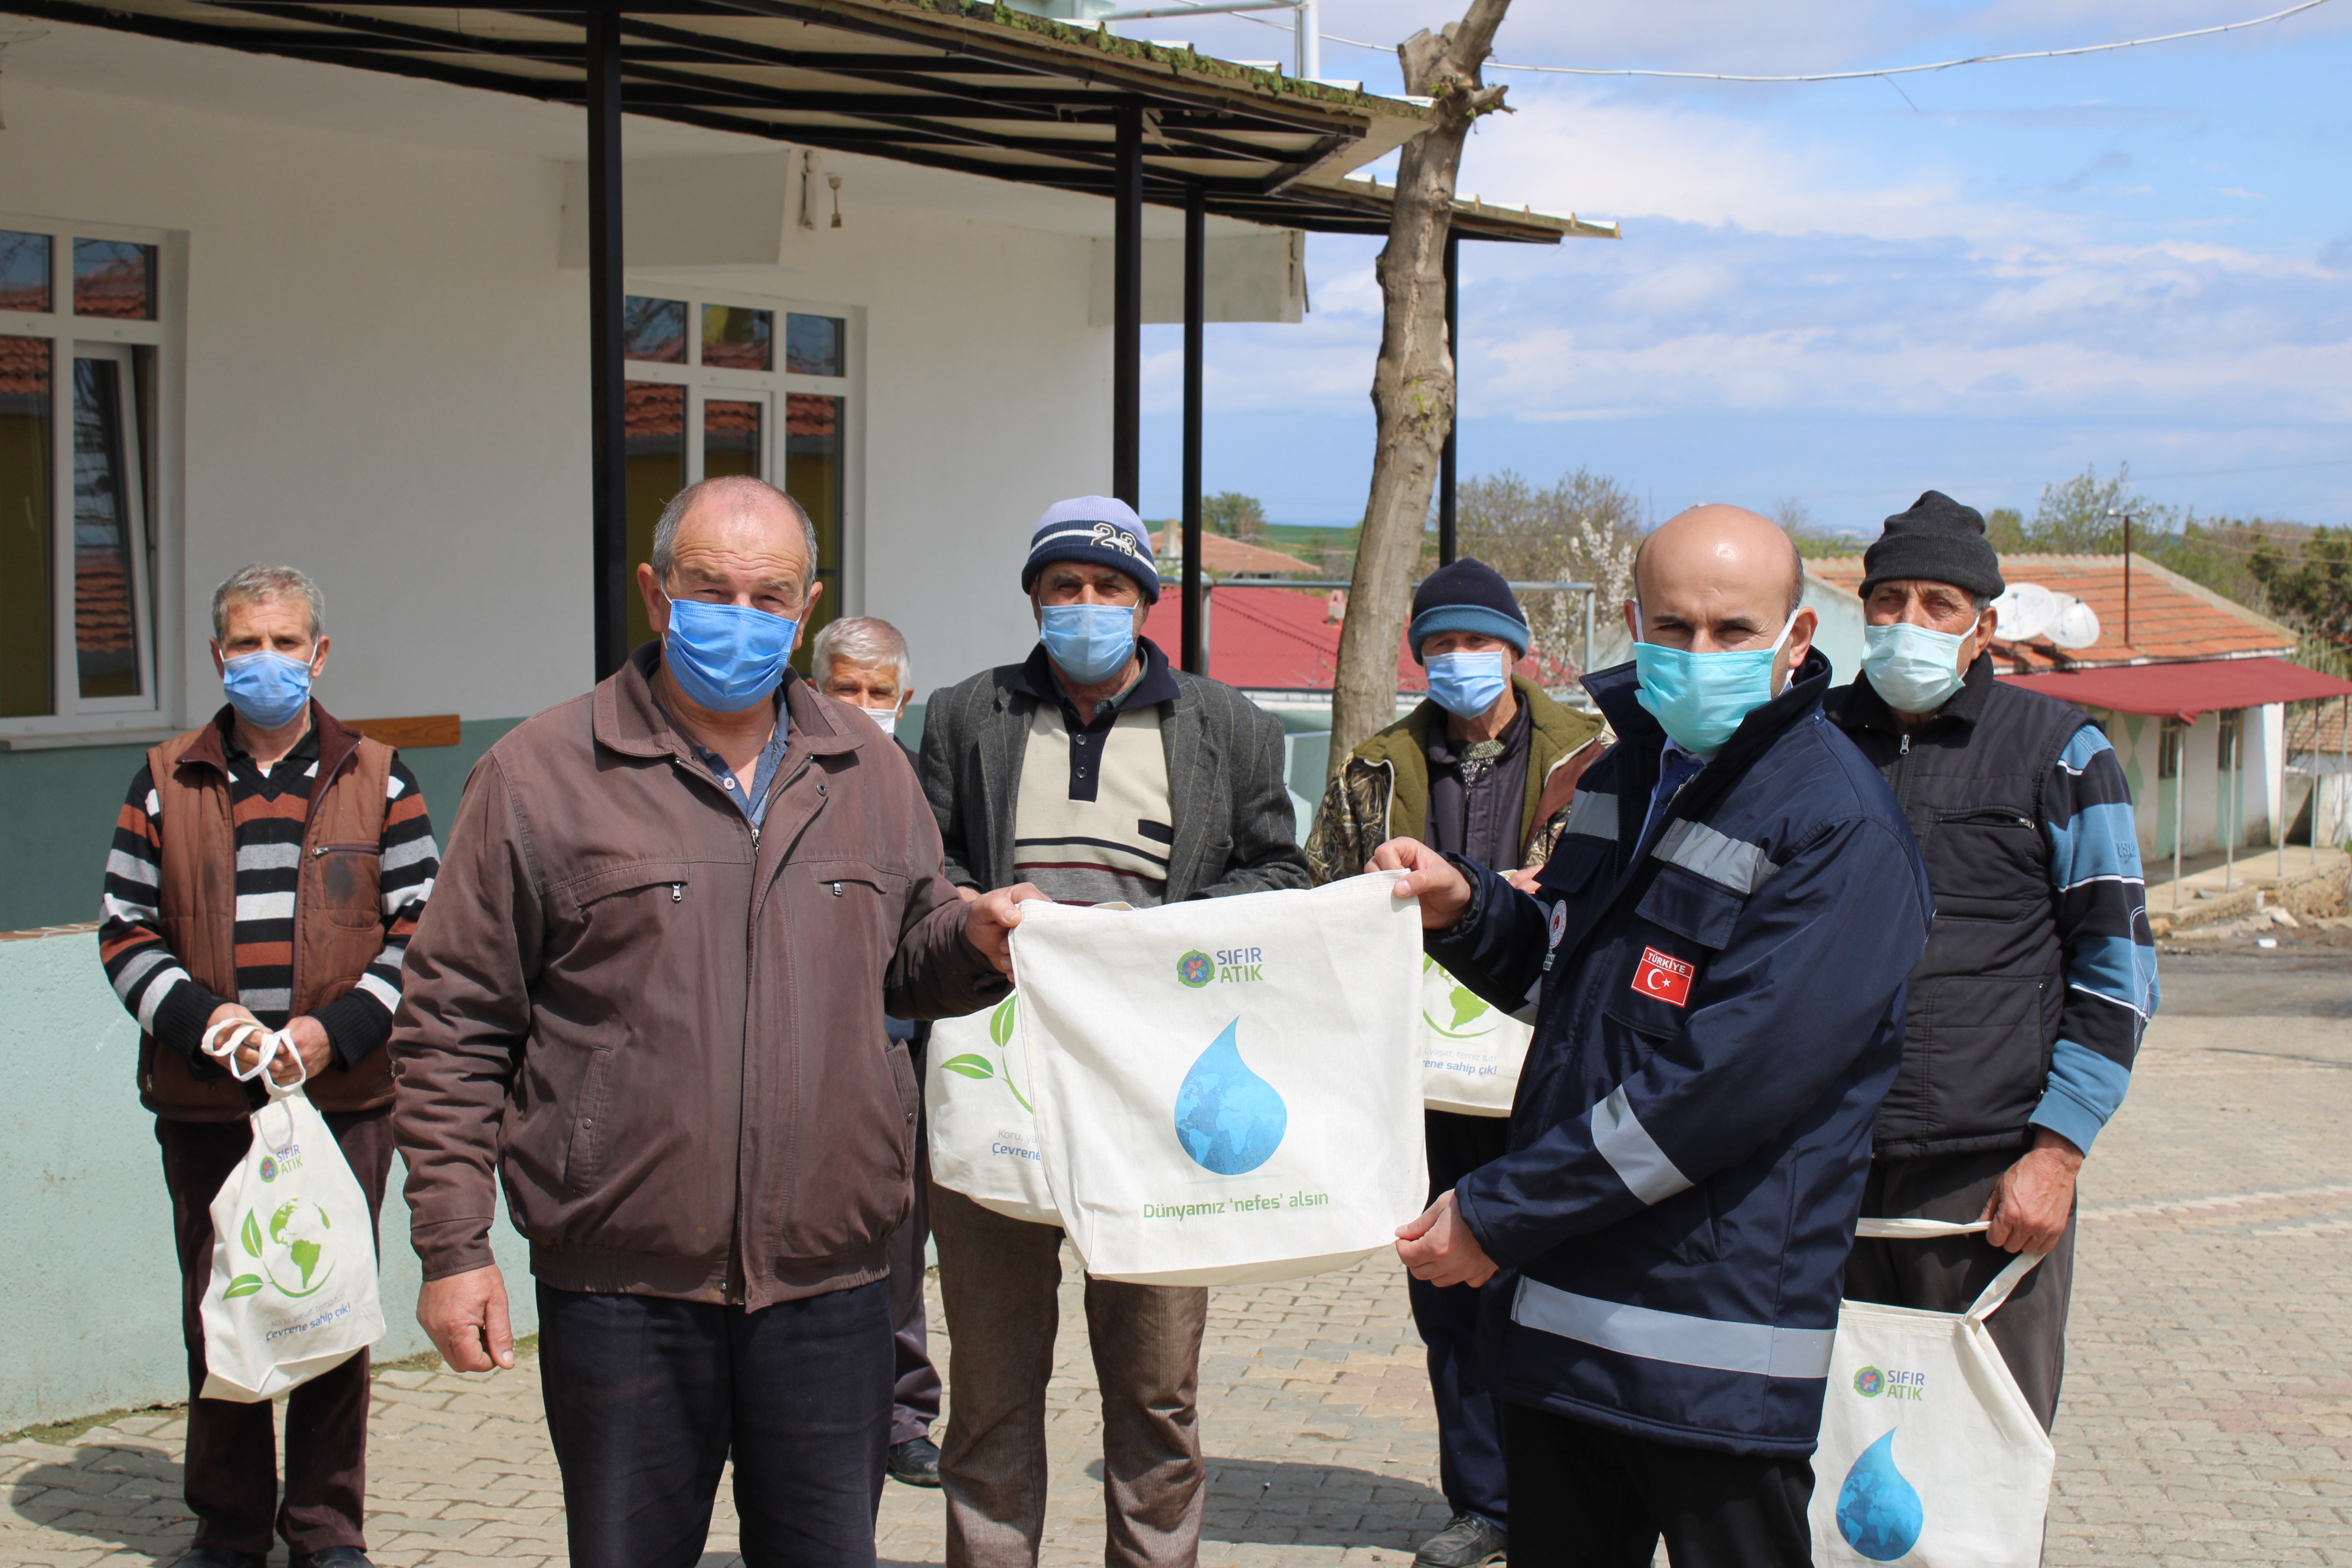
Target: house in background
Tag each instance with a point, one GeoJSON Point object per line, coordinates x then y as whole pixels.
{"type": "Point", "coordinates": [2319, 757]}
{"type": "Point", "coordinates": [2192, 689]}
{"type": "Point", "coordinates": [291, 283]}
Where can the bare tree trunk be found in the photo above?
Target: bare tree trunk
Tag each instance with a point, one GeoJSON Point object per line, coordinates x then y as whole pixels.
{"type": "Point", "coordinates": [1412, 387]}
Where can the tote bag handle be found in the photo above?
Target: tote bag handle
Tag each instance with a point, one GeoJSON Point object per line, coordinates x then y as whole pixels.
{"type": "Point", "coordinates": [2003, 1283]}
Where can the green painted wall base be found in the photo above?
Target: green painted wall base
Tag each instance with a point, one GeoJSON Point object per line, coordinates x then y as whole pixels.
{"type": "Point", "coordinates": [89, 1292]}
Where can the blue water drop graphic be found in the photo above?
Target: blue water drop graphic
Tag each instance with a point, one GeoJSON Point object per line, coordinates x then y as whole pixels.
{"type": "Point", "coordinates": [1229, 1119]}
{"type": "Point", "coordinates": [1878, 1511]}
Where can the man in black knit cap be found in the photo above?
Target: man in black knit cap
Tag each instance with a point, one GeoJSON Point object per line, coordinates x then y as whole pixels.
{"type": "Point", "coordinates": [2026, 1009]}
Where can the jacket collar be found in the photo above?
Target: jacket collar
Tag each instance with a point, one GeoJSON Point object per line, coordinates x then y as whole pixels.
{"type": "Point", "coordinates": [336, 741]}
{"type": "Point", "coordinates": [628, 721]}
{"type": "Point", "coordinates": [1859, 706]}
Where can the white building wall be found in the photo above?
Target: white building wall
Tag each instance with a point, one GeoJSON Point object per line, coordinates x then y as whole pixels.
{"type": "Point", "coordinates": [387, 384]}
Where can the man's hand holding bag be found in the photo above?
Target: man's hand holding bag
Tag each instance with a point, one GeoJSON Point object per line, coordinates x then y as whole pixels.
{"type": "Point", "coordinates": [293, 1291]}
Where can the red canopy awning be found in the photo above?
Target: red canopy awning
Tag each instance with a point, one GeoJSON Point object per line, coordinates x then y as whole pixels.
{"type": "Point", "coordinates": [2184, 690]}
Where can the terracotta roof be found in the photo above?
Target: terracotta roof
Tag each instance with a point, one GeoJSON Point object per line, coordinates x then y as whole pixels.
{"type": "Point", "coordinates": [1225, 556]}
{"type": "Point", "coordinates": [2171, 617]}
{"type": "Point", "coordinates": [2324, 727]}
{"type": "Point", "coordinates": [1284, 639]}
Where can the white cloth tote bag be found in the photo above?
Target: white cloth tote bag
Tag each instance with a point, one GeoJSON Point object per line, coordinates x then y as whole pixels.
{"type": "Point", "coordinates": [1228, 1089]}
{"type": "Point", "coordinates": [983, 1133]}
{"type": "Point", "coordinates": [1470, 1054]}
{"type": "Point", "coordinates": [1929, 1453]}
{"type": "Point", "coordinates": [293, 1289]}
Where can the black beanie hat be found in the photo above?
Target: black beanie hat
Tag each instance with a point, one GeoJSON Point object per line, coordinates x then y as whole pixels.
{"type": "Point", "coordinates": [1940, 540]}
{"type": "Point", "coordinates": [1467, 596]}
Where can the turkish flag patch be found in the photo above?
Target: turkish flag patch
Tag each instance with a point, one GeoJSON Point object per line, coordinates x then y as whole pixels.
{"type": "Point", "coordinates": [1667, 979]}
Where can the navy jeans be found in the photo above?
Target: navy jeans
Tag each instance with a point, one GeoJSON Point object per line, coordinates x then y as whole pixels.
{"type": "Point", "coordinates": [1469, 1434]}
{"type": "Point", "coordinates": [647, 1399]}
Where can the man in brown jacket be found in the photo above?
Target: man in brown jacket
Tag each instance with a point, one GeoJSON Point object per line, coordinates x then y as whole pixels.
{"type": "Point", "coordinates": [650, 1000]}
{"type": "Point", "coordinates": [269, 864]}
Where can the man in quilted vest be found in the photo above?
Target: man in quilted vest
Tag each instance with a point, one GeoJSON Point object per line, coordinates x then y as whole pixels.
{"type": "Point", "coordinates": [2026, 1011]}
{"type": "Point", "coordinates": [268, 865]}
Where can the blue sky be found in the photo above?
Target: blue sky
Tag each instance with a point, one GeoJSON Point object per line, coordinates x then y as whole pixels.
{"type": "Point", "coordinates": [1842, 293]}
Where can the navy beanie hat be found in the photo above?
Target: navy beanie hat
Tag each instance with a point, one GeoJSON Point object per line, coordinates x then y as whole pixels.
{"type": "Point", "coordinates": [1467, 596]}
{"type": "Point", "coordinates": [1937, 540]}
{"type": "Point", "coordinates": [1098, 531]}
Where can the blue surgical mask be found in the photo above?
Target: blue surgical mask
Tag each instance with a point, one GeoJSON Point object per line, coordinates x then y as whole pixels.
{"type": "Point", "coordinates": [1915, 669]}
{"type": "Point", "coordinates": [268, 689]}
{"type": "Point", "coordinates": [1091, 643]}
{"type": "Point", "coordinates": [1467, 684]}
{"type": "Point", "coordinates": [1700, 699]}
{"type": "Point", "coordinates": [726, 656]}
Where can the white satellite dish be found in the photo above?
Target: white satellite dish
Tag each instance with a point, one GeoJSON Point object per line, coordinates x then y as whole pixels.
{"type": "Point", "coordinates": [2025, 612]}
{"type": "Point", "coordinates": [2077, 625]}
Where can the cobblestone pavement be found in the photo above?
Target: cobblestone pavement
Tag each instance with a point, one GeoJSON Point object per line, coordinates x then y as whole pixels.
{"type": "Point", "coordinates": [2207, 1413]}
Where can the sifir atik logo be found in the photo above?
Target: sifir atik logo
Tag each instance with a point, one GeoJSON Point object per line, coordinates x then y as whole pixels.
{"type": "Point", "coordinates": [1232, 965]}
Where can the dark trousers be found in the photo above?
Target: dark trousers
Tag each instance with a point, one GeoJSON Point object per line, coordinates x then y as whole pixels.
{"type": "Point", "coordinates": [230, 1475]}
{"type": "Point", "coordinates": [648, 1398]}
{"type": "Point", "coordinates": [915, 1396]}
{"type": "Point", "coordinates": [1469, 1424]}
{"type": "Point", "coordinates": [1949, 1273]}
{"type": "Point", "coordinates": [999, 1282]}
{"type": "Point", "coordinates": [1590, 1498]}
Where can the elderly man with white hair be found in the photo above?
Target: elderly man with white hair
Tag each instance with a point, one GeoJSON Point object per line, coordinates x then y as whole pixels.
{"type": "Point", "coordinates": [864, 662]}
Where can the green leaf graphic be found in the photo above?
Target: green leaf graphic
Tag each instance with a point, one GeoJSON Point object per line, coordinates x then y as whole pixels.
{"type": "Point", "coordinates": [252, 1234]}
{"type": "Point", "coordinates": [1468, 1005]}
{"type": "Point", "coordinates": [970, 1066]}
{"type": "Point", "coordinates": [243, 1285]}
{"type": "Point", "coordinates": [1000, 1023]}
{"type": "Point", "coordinates": [1427, 963]}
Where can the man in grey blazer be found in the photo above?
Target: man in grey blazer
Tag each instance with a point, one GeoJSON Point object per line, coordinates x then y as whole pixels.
{"type": "Point", "coordinates": [1100, 774]}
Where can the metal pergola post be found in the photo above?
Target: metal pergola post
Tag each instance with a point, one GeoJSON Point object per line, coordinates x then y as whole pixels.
{"type": "Point", "coordinates": [607, 420]}
{"type": "Point", "coordinates": [1196, 297]}
{"type": "Point", "coordinates": [1448, 516]}
{"type": "Point", "coordinates": [1127, 312]}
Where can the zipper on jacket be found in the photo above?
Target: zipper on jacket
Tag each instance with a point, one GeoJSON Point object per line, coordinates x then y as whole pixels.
{"type": "Point", "coordinates": [346, 849]}
{"type": "Point", "coordinates": [1902, 779]}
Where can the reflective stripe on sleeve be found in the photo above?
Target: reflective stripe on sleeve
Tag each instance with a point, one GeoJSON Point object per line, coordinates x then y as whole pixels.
{"type": "Point", "coordinates": [1631, 1152]}
{"type": "Point", "coordinates": [1593, 813]}
{"type": "Point", "coordinates": [1729, 862]}
{"type": "Point", "coordinates": [1760, 1350]}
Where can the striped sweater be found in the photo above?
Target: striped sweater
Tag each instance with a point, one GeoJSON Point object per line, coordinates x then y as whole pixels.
{"type": "Point", "coordinates": [2101, 901]}
{"type": "Point", "coordinates": [268, 809]}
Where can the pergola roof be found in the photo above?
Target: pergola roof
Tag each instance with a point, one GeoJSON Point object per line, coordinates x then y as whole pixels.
{"type": "Point", "coordinates": [951, 84]}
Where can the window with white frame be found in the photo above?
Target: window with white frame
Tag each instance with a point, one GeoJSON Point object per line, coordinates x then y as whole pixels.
{"type": "Point", "coordinates": [81, 328]}
{"type": "Point", "coordinates": [725, 385]}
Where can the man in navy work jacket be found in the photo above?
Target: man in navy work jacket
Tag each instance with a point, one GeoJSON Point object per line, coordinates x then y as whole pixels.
{"type": "Point", "coordinates": [1715, 955]}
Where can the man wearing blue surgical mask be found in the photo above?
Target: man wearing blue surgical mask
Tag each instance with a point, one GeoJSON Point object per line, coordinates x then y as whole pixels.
{"type": "Point", "coordinates": [1714, 956]}
{"type": "Point", "coordinates": [1484, 768]}
{"type": "Point", "coordinates": [677, 909]}
{"type": "Point", "coordinates": [2027, 1008]}
{"type": "Point", "coordinates": [1101, 775]}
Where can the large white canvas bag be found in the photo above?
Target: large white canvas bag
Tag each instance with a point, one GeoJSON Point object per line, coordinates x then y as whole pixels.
{"type": "Point", "coordinates": [293, 1288]}
{"type": "Point", "coordinates": [1470, 1054]}
{"type": "Point", "coordinates": [983, 1134]}
{"type": "Point", "coordinates": [1929, 1453]}
{"type": "Point", "coordinates": [1228, 1089]}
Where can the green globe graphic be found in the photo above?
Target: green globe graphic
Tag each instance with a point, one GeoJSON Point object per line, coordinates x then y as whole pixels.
{"type": "Point", "coordinates": [300, 1227]}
